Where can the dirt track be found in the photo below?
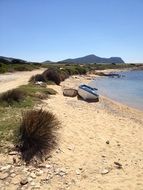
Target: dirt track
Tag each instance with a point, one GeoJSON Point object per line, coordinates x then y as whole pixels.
{"type": "Point", "coordinates": [12, 80]}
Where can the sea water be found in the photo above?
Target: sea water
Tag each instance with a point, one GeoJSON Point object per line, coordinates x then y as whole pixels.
{"type": "Point", "coordinates": [127, 89]}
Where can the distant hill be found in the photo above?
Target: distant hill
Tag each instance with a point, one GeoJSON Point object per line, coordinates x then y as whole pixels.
{"type": "Point", "coordinates": [94, 59]}
{"type": "Point", "coordinates": [47, 62]}
{"type": "Point", "coordinates": [11, 60]}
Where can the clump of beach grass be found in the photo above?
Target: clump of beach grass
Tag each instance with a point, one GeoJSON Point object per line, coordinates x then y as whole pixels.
{"type": "Point", "coordinates": [37, 135]}
{"type": "Point", "coordinates": [12, 96]}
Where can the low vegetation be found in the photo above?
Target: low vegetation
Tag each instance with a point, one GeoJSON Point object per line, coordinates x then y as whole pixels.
{"type": "Point", "coordinates": [37, 133]}
{"type": "Point", "coordinates": [14, 102]}
{"type": "Point", "coordinates": [12, 67]}
{"type": "Point", "coordinates": [11, 96]}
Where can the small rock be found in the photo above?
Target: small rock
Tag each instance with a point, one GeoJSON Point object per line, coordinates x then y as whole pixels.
{"type": "Point", "coordinates": [13, 153]}
{"type": "Point", "coordinates": [39, 173]}
{"type": "Point", "coordinates": [5, 168]}
{"type": "Point", "coordinates": [42, 166]}
{"type": "Point", "coordinates": [11, 171]}
{"type": "Point", "coordinates": [37, 186]}
{"type": "Point", "coordinates": [78, 172]}
{"type": "Point", "coordinates": [24, 181]}
{"type": "Point", "coordinates": [33, 175]}
{"type": "Point", "coordinates": [16, 180]}
{"type": "Point", "coordinates": [49, 177]}
{"type": "Point", "coordinates": [118, 165]}
{"type": "Point", "coordinates": [71, 147]}
{"type": "Point", "coordinates": [3, 176]}
{"type": "Point", "coordinates": [14, 160]}
{"type": "Point", "coordinates": [104, 171]}
{"type": "Point", "coordinates": [107, 142]}
{"type": "Point", "coordinates": [61, 172]}
{"type": "Point", "coordinates": [29, 179]}
{"type": "Point", "coordinates": [13, 175]}
{"type": "Point", "coordinates": [48, 166]}
{"type": "Point", "coordinates": [6, 183]}
{"type": "Point", "coordinates": [32, 183]}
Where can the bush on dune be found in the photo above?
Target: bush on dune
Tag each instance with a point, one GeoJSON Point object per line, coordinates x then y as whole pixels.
{"type": "Point", "coordinates": [37, 77]}
{"type": "Point", "coordinates": [11, 96]}
{"type": "Point", "coordinates": [52, 75]}
{"type": "Point", "coordinates": [63, 75]}
{"type": "Point", "coordinates": [37, 133]}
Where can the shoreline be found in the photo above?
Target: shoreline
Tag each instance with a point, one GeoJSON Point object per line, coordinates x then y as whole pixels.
{"type": "Point", "coordinates": [88, 79]}
{"type": "Point", "coordinates": [115, 99]}
{"type": "Point", "coordinates": [115, 102]}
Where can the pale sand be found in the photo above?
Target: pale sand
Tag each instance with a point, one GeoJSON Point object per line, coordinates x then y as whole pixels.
{"type": "Point", "coordinates": [85, 129]}
{"type": "Point", "coordinates": [84, 154]}
{"type": "Point", "coordinates": [9, 81]}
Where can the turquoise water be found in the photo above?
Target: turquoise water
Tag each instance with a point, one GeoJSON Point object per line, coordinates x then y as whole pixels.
{"type": "Point", "coordinates": [127, 89]}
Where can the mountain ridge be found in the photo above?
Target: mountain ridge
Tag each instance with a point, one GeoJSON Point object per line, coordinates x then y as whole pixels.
{"type": "Point", "coordinates": [94, 59]}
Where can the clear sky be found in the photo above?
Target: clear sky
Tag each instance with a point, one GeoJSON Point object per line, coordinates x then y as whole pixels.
{"type": "Point", "coordinates": [39, 30]}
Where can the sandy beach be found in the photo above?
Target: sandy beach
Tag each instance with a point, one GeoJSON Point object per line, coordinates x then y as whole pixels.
{"type": "Point", "coordinates": [94, 139]}
{"type": "Point", "coordinates": [95, 135]}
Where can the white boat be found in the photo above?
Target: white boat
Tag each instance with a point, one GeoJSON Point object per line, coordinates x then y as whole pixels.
{"type": "Point", "coordinates": [88, 93]}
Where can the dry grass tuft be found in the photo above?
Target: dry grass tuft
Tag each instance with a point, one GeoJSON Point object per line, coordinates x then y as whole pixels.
{"type": "Point", "coordinates": [37, 133]}
{"type": "Point", "coordinates": [11, 96]}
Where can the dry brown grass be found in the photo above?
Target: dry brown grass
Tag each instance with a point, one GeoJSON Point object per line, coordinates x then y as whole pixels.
{"type": "Point", "coordinates": [37, 133]}
{"type": "Point", "coordinates": [11, 96]}
{"type": "Point", "coordinates": [52, 75]}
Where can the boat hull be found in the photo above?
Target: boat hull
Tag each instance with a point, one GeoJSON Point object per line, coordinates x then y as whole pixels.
{"type": "Point", "coordinates": [87, 93]}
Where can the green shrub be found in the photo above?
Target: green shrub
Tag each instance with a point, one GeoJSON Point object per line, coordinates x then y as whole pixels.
{"type": "Point", "coordinates": [31, 89]}
{"type": "Point", "coordinates": [37, 133]}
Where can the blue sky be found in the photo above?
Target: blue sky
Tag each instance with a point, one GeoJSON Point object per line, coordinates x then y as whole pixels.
{"type": "Point", "coordinates": [39, 30]}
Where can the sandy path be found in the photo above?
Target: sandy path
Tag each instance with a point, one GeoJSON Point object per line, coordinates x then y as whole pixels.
{"type": "Point", "coordinates": [12, 80]}
{"type": "Point", "coordinates": [86, 127]}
